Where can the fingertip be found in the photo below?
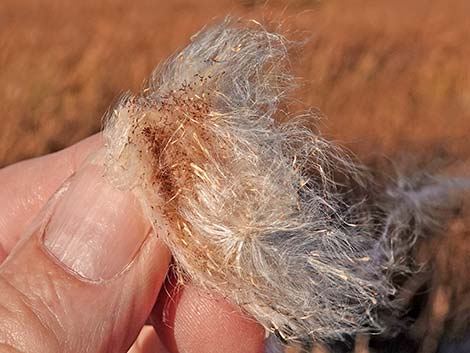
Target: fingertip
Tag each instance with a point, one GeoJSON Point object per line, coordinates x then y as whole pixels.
{"type": "Point", "coordinates": [193, 321]}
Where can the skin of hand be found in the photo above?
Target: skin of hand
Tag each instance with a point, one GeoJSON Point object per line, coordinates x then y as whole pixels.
{"type": "Point", "coordinates": [81, 270]}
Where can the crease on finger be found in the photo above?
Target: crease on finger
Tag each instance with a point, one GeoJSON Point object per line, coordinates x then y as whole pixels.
{"type": "Point", "coordinates": [3, 252]}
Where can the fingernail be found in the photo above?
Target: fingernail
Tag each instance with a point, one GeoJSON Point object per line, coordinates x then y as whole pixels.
{"type": "Point", "coordinates": [95, 229]}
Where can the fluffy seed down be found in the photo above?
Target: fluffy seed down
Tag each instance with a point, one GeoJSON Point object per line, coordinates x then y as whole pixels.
{"type": "Point", "coordinates": [270, 215]}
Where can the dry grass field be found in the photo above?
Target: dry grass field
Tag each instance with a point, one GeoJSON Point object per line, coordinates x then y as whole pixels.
{"type": "Point", "coordinates": [391, 78]}
{"type": "Point", "coordinates": [386, 74]}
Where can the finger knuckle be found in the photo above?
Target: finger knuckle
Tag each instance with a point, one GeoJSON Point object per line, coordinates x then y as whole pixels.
{"type": "Point", "coordinates": [26, 324]}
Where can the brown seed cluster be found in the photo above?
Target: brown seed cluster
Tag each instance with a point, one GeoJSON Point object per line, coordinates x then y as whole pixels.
{"type": "Point", "coordinates": [173, 137]}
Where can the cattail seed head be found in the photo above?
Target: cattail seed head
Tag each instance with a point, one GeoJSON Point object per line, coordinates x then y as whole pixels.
{"type": "Point", "coordinates": [270, 215]}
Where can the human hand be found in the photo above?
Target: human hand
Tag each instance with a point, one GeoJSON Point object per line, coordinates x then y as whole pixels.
{"type": "Point", "coordinates": [80, 272]}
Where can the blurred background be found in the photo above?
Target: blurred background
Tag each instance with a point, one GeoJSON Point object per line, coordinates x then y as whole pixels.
{"type": "Point", "coordinates": [391, 78]}
{"type": "Point", "coordinates": [386, 74]}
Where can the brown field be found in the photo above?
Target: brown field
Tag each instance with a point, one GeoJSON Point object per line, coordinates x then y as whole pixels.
{"type": "Point", "coordinates": [387, 74]}
{"type": "Point", "coordinates": [392, 79]}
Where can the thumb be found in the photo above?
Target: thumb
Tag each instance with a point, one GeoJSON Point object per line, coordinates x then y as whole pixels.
{"type": "Point", "coordinates": [86, 276]}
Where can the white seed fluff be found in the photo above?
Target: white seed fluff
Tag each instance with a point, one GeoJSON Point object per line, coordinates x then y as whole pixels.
{"type": "Point", "coordinates": [271, 216]}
